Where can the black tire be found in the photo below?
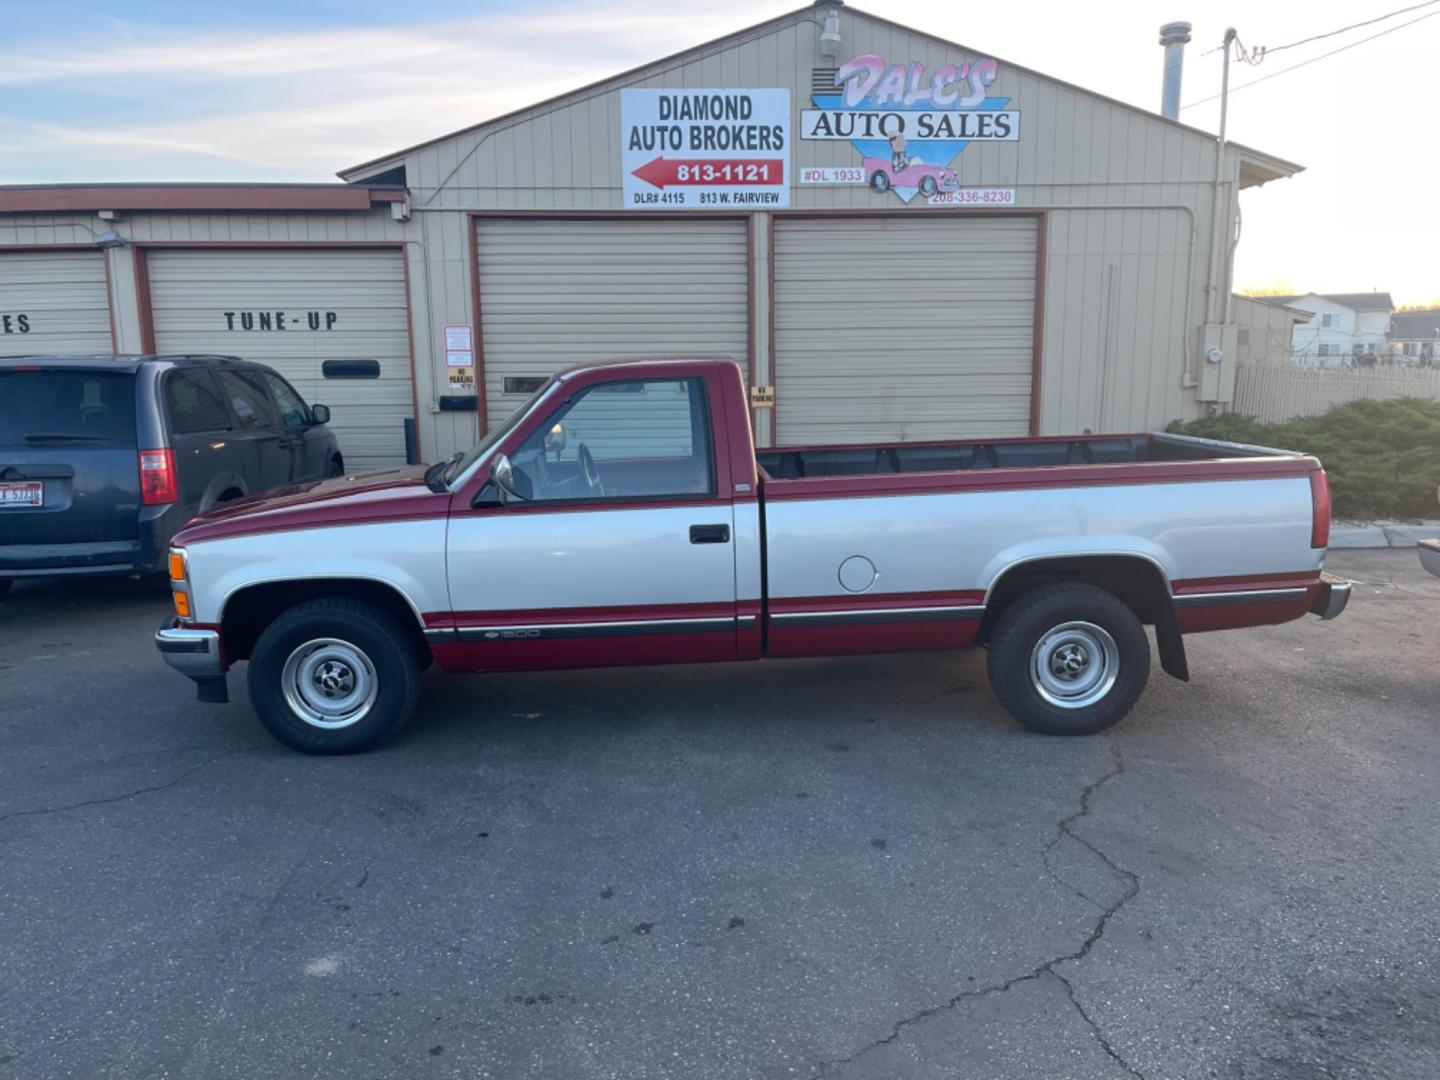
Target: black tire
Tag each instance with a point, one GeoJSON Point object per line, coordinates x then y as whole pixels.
{"type": "Point", "coordinates": [1065, 618]}
{"type": "Point", "coordinates": [336, 469]}
{"type": "Point", "coordinates": [879, 182]}
{"type": "Point", "coordinates": [357, 634]}
{"type": "Point", "coordinates": [927, 186]}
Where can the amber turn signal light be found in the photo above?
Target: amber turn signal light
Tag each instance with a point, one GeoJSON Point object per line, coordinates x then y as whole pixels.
{"type": "Point", "coordinates": [177, 566]}
{"type": "Point", "coordinates": [182, 603]}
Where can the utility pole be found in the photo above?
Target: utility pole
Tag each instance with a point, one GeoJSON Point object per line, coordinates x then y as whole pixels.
{"type": "Point", "coordinates": [1221, 306]}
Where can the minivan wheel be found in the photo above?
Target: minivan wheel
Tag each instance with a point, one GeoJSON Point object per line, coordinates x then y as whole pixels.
{"type": "Point", "coordinates": [1068, 659]}
{"type": "Point", "coordinates": [334, 676]}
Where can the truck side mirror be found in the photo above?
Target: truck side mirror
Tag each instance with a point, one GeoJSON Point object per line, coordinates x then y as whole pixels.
{"type": "Point", "coordinates": [320, 414]}
{"type": "Point", "coordinates": [511, 484]}
{"type": "Point", "coordinates": [555, 440]}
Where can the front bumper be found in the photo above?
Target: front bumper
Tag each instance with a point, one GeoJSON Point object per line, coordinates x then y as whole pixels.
{"type": "Point", "coordinates": [1334, 594]}
{"type": "Point", "coordinates": [195, 654]}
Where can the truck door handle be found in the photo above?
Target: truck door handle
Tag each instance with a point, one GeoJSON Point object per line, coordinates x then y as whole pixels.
{"type": "Point", "coordinates": [709, 534]}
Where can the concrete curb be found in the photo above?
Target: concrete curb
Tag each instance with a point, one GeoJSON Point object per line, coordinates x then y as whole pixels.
{"type": "Point", "coordinates": [1381, 534]}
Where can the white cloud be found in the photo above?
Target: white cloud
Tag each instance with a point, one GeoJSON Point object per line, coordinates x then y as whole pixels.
{"type": "Point", "coordinates": [321, 101]}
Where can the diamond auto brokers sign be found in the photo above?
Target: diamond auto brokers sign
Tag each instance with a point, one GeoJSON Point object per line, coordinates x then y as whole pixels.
{"type": "Point", "coordinates": [705, 149]}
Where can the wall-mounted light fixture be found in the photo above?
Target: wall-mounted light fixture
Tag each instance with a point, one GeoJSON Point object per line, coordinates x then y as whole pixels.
{"type": "Point", "coordinates": [110, 239]}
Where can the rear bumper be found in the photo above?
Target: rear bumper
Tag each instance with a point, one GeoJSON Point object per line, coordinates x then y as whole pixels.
{"type": "Point", "coordinates": [196, 655]}
{"type": "Point", "coordinates": [1334, 594]}
{"type": "Point", "coordinates": [143, 555]}
{"type": "Point", "coordinates": [1430, 555]}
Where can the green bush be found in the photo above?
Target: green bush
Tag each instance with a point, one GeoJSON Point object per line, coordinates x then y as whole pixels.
{"type": "Point", "coordinates": [1383, 457]}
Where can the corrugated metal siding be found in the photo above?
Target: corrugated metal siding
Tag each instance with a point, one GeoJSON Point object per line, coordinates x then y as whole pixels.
{"type": "Point", "coordinates": [565, 154]}
{"type": "Point", "coordinates": [191, 291]}
{"type": "Point", "coordinates": [891, 329]}
{"type": "Point", "coordinates": [63, 299]}
{"type": "Point", "coordinates": [554, 294]}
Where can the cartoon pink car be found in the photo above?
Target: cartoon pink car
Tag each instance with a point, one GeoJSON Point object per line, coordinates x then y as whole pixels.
{"type": "Point", "coordinates": [928, 178]}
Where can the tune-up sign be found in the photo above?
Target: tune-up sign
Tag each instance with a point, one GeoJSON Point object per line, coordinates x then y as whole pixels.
{"type": "Point", "coordinates": [684, 149]}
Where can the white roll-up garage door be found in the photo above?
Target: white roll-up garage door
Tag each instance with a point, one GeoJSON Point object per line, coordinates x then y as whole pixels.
{"type": "Point", "coordinates": [556, 293]}
{"type": "Point", "coordinates": [896, 329]}
{"type": "Point", "coordinates": [54, 302]}
{"type": "Point", "coordinates": [333, 322]}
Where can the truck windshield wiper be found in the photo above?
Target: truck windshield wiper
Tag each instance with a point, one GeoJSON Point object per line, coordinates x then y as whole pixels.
{"type": "Point", "coordinates": [58, 436]}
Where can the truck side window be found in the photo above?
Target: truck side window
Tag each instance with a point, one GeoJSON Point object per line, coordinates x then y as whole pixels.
{"type": "Point", "coordinates": [194, 405]}
{"type": "Point", "coordinates": [648, 438]}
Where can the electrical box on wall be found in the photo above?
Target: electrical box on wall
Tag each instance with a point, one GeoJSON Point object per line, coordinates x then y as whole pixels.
{"type": "Point", "coordinates": [1219, 345]}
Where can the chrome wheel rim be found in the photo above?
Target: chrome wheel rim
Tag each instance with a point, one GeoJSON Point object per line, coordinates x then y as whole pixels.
{"type": "Point", "coordinates": [329, 683]}
{"type": "Point", "coordinates": [1074, 665]}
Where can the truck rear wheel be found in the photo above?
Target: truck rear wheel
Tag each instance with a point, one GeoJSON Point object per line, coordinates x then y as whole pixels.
{"type": "Point", "coordinates": [334, 676]}
{"type": "Point", "coordinates": [1068, 659]}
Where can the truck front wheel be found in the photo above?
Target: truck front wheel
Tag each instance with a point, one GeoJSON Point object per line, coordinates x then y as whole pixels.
{"type": "Point", "coordinates": [1068, 659]}
{"type": "Point", "coordinates": [334, 676]}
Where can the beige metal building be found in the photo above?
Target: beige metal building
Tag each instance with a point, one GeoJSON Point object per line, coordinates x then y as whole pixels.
{"type": "Point", "coordinates": [899, 237]}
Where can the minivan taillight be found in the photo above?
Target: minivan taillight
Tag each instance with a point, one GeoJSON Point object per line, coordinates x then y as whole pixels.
{"type": "Point", "coordinates": [157, 477]}
{"type": "Point", "coordinates": [1319, 509]}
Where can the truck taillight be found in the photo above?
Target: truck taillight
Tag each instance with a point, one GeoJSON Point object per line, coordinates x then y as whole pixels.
{"type": "Point", "coordinates": [157, 477]}
{"type": "Point", "coordinates": [1320, 509]}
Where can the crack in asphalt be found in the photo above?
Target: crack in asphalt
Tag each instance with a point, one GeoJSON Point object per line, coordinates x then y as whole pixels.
{"type": "Point", "coordinates": [1063, 828]}
{"type": "Point", "coordinates": [43, 811]}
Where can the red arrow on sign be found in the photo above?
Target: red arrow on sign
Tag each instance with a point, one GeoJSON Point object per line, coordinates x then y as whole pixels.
{"type": "Point", "coordinates": [663, 172]}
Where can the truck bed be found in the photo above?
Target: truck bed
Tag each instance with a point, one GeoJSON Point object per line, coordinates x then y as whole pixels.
{"type": "Point", "coordinates": [965, 455]}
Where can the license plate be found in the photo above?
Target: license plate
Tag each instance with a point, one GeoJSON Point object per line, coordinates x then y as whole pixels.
{"type": "Point", "coordinates": [25, 493]}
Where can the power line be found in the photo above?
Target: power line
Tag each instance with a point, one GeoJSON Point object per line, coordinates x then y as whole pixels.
{"type": "Point", "coordinates": [1265, 50]}
{"type": "Point", "coordinates": [1314, 59]}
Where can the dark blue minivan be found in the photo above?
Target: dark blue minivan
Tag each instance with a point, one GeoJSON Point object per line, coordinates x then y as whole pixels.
{"type": "Point", "coordinates": [104, 458]}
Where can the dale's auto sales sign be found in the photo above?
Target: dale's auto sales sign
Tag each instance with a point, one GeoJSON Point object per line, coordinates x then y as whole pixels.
{"type": "Point", "coordinates": [909, 124]}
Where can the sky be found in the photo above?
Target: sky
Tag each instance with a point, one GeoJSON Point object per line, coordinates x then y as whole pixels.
{"type": "Point", "coordinates": [297, 89]}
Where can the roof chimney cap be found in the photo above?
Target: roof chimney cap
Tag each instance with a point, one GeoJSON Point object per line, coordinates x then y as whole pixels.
{"type": "Point", "coordinates": [1175, 33]}
{"type": "Point", "coordinates": [830, 35]}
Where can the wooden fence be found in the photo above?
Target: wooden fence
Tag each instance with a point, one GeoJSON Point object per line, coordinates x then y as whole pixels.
{"type": "Point", "coordinates": [1271, 392]}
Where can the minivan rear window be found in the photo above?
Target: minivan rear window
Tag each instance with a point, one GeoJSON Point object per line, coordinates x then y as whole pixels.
{"type": "Point", "coordinates": [51, 405]}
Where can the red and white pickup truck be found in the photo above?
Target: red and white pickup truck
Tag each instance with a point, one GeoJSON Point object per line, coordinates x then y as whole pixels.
{"type": "Point", "coordinates": [623, 516]}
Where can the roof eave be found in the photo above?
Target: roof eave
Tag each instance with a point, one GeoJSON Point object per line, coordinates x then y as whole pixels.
{"type": "Point", "coordinates": [80, 198]}
{"type": "Point", "coordinates": [1258, 168]}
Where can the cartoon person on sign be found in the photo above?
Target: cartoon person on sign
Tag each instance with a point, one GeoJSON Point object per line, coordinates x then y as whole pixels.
{"type": "Point", "coordinates": [899, 159]}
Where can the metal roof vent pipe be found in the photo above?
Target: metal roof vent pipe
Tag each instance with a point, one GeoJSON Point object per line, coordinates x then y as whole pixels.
{"type": "Point", "coordinates": [1174, 36]}
{"type": "Point", "coordinates": [830, 35]}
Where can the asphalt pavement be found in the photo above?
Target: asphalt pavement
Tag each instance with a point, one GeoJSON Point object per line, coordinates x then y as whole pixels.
{"type": "Point", "coordinates": [855, 868]}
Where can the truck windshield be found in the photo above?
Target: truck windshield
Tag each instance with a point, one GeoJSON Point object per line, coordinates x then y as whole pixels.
{"type": "Point", "coordinates": [493, 436]}
{"type": "Point", "coordinates": [55, 406]}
